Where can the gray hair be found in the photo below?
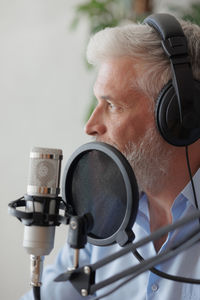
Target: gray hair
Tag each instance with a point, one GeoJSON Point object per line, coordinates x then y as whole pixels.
{"type": "Point", "coordinates": [143, 44]}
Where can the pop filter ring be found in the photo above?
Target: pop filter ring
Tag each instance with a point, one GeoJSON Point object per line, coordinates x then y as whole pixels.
{"type": "Point", "coordinates": [124, 232]}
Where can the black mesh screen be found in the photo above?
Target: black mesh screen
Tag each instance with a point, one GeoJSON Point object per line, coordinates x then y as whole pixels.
{"type": "Point", "coordinates": [97, 187]}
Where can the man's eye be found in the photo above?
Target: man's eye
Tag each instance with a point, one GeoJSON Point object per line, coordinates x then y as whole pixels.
{"type": "Point", "coordinates": [111, 105]}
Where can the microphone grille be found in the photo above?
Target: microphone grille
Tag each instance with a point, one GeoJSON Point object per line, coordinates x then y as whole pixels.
{"type": "Point", "coordinates": [44, 172]}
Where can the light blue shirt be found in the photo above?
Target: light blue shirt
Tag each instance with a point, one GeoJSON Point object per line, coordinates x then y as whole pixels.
{"type": "Point", "coordinates": [146, 286]}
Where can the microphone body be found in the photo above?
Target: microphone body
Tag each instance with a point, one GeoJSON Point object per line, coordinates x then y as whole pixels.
{"type": "Point", "coordinates": [42, 191]}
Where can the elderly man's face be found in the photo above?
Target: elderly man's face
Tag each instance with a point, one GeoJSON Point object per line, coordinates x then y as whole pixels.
{"type": "Point", "coordinates": [123, 113]}
{"type": "Point", "coordinates": [124, 118]}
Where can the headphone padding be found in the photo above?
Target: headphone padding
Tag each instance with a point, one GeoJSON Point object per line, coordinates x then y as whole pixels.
{"type": "Point", "coordinates": [168, 121]}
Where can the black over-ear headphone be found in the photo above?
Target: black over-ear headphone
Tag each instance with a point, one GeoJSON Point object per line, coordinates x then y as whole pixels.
{"type": "Point", "coordinates": [178, 104]}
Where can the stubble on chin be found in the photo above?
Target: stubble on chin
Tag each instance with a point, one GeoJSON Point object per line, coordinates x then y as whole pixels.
{"type": "Point", "coordinates": [150, 160]}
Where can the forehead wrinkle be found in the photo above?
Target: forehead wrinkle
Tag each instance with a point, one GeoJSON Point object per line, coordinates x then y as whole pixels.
{"type": "Point", "coordinates": [109, 80]}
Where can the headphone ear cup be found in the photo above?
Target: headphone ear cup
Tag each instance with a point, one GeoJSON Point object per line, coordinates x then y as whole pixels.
{"type": "Point", "coordinates": [168, 121]}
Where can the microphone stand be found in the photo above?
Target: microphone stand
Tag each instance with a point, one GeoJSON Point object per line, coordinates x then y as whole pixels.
{"type": "Point", "coordinates": [83, 279]}
{"type": "Point", "coordinates": [36, 274]}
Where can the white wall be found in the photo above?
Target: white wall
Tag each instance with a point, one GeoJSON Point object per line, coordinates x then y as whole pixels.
{"type": "Point", "coordinates": [44, 92]}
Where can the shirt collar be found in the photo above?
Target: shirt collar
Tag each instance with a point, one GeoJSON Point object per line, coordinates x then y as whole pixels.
{"type": "Point", "coordinates": [142, 218]}
{"type": "Point", "coordinates": [188, 191]}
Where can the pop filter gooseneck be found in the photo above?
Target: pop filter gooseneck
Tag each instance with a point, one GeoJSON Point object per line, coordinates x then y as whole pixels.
{"type": "Point", "coordinates": [99, 180]}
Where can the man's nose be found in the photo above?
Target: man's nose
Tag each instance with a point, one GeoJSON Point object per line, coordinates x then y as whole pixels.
{"type": "Point", "coordinates": [96, 125]}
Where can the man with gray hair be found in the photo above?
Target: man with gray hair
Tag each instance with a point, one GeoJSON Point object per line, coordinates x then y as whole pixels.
{"type": "Point", "coordinates": [148, 107]}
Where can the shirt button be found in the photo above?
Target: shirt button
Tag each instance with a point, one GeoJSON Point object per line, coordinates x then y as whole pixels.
{"type": "Point", "coordinates": [154, 287]}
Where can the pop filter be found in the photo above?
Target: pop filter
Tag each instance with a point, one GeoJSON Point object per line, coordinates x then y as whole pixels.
{"type": "Point", "coordinates": [99, 180]}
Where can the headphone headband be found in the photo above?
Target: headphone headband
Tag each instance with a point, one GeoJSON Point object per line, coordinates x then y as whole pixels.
{"type": "Point", "coordinates": [166, 25]}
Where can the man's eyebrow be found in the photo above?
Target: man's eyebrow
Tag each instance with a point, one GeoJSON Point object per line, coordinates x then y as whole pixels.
{"type": "Point", "coordinates": [106, 97]}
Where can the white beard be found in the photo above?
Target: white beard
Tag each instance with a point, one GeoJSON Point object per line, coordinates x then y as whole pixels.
{"type": "Point", "coordinates": [149, 159]}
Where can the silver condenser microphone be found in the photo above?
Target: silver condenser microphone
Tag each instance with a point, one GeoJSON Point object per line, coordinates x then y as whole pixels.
{"type": "Point", "coordinates": [41, 198]}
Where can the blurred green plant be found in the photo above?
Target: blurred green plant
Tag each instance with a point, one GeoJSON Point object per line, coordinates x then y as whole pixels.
{"type": "Point", "coordinates": [192, 13]}
{"type": "Point", "coordinates": [100, 13]}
